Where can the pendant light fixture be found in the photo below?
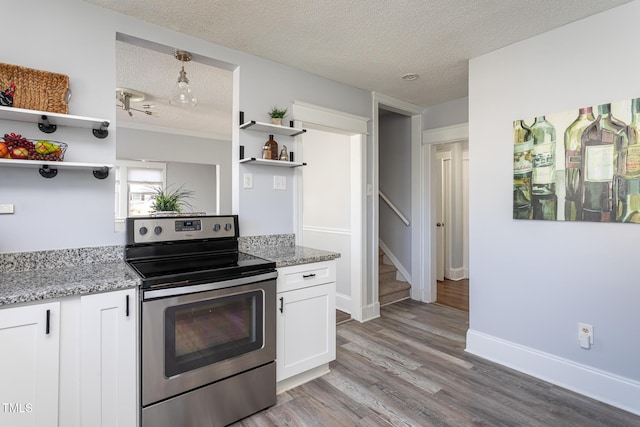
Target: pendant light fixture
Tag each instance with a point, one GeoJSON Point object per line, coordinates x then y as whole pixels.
{"type": "Point", "coordinates": [181, 94]}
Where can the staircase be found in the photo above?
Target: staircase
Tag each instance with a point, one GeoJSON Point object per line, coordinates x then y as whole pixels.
{"type": "Point", "coordinates": [390, 290]}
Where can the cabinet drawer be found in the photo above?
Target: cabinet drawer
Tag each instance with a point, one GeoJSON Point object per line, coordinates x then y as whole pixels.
{"type": "Point", "coordinates": [305, 275]}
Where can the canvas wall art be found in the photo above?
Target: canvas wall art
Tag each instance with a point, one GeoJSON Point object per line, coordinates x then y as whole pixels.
{"type": "Point", "coordinates": [579, 165]}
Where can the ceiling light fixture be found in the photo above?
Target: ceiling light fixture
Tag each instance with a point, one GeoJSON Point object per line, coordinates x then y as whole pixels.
{"type": "Point", "coordinates": [410, 77]}
{"type": "Point", "coordinates": [181, 94]}
{"type": "Point", "coordinates": [126, 96]}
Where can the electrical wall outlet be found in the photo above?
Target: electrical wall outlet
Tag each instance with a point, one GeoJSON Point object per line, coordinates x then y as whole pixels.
{"type": "Point", "coordinates": [585, 335]}
{"type": "Point", "coordinates": [247, 180]}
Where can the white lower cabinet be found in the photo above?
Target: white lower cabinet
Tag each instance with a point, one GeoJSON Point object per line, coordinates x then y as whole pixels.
{"type": "Point", "coordinates": [108, 359]}
{"type": "Point", "coordinates": [306, 322]}
{"type": "Point", "coordinates": [70, 363]}
{"type": "Point", "coordinates": [29, 350]}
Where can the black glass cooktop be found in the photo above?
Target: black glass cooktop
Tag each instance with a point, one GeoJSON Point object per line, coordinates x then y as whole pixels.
{"type": "Point", "coordinates": [198, 268]}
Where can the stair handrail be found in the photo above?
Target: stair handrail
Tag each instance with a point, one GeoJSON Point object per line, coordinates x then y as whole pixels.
{"type": "Point", "coordinates": [393, 208]}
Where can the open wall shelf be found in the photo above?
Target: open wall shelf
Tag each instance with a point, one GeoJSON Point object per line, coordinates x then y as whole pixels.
{"type": "Point", "coordinates": [49, 122]}
{"type": "Point", "coordinates": [272, 129]}
{"type": "Point", "coordinates": [276, 163]}
{"type": "Point", "coordinates": [50, 169]}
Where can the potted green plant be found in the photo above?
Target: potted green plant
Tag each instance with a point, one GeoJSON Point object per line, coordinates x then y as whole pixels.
{"type": "Point", "coordinates": [277, 115]}
{"type": "Point", "coordinates": [171, 200]}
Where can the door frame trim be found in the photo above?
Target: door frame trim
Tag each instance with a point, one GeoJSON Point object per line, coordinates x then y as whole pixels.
{"type": "Point", "coordinates": [442, 135]}
{"type": "Point", "coordinates": [414, 112]}
{"type": "Point", "coordinates": [355, 127]}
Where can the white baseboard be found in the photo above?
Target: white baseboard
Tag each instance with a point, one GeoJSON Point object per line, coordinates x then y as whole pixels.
{"type": "Point", "coordinates": [343, 302]}
{"type": "Point", "coordinates": [456, 273]}
{"type": "Point", "coordinates": [606, 387]}
{"type": "Point", "coordinates": [369, 312]}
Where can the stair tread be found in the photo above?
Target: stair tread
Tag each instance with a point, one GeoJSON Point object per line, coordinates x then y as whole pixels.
{"type": "Point", "coordinates": [386, 268]}
{"type": "Point", "coordinates": [390, 290]}
{"type": "Point", "coordinates": [394, 297]}
{"type": "Point", "coordinates": [386, 287]}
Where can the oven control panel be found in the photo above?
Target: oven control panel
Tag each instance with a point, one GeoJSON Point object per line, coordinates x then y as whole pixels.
{"type": "Point", "coordinates": [164, 229]}
{"type": "Point", "coordinates": [191, 225]}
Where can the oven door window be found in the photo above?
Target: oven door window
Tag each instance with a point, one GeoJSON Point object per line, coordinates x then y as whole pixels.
{"type": "Point", "coordinates": [201, 333]}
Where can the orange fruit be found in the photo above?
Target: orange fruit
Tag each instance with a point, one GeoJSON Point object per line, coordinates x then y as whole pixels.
{"type": "Point", "coordinates": [4, 151]}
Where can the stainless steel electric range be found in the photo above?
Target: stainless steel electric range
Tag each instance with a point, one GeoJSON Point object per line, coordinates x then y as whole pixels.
{"type": "Point", "coordinates": [207, 321]}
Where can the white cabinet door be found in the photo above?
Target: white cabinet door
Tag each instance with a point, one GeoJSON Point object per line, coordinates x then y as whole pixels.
{"type": "Point", "coordinates": [29, 355]}
{"type": "Point", "coordinates": [306, 329]}
{"type": "Point", "coordinates": [108, 359]}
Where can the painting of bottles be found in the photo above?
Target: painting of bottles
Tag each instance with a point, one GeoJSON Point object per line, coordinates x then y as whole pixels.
{"type": "Point", "coordinates": [591, 174]}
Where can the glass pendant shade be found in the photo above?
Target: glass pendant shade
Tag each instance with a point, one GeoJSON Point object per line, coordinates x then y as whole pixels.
{"type": "Point", "coordinates": [181, 94]}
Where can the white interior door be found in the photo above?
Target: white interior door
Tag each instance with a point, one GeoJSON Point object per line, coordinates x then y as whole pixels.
{"type": "Point", "coordinates": [442, 179]}
{"type": "Point", "coordinates": [328, 218]}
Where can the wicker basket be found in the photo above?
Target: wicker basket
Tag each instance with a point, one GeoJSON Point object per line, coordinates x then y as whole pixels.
{"type": "Point", "coordinates": [36, 89]}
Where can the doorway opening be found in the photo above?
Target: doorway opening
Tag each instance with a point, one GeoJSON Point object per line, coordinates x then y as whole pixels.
{"type": "Point", "coordinates": [396, 138]}
{"type": "Point", "coordinates": [446, 160]}
{"type": "Point", "coordinates": [330, 208]}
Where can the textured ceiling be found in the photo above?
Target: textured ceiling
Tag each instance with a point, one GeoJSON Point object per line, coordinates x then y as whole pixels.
{"type": "Point", "coordinates": [369, 44]}
{"type": "Point", "coordinates": [155, 73]}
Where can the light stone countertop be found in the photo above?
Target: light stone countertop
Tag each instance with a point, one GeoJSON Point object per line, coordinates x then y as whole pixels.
{"type": "Point", "coordinates": [285, 256]}
{"type": "Point", "coordinates": [41, 275]}
{"type": "Point", "coordinates": [42, 284]}
{"type": "Point", "coordinates": [281, 249]}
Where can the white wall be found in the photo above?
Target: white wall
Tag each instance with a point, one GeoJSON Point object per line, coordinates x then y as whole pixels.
{"type": "Point", "coordinates": [83, 47]}
{"type": "Point", "coordinates": [532, 281]}
{"type": "Point", "coordinates": [326, 207]}
{"type": "Point", "coordinates": [72, 209]}
{"type": "Point", "coordinates": [446, 114]}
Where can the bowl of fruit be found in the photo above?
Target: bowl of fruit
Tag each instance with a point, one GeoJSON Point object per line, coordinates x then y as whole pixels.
{"type": "Point", "coordinates": [15, 146]}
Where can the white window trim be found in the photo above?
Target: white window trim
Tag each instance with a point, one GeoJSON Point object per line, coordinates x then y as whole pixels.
{"type": "Point", "coordinates": [123, 193]}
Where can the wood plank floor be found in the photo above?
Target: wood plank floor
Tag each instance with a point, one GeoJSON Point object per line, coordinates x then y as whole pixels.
{"type": "Point", "coordinates": [409, 368]}
{"type": "Point", "coordinates": [342, 317]}
{"type": "Point", "coordinates": [453, 293]}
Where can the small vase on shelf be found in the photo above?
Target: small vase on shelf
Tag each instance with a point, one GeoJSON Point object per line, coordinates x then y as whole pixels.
{"type": "Point", "coordinates": [270, 149]}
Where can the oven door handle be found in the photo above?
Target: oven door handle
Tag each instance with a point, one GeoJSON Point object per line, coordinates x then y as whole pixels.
{"type": "Point", "coordinates": [192, 289]}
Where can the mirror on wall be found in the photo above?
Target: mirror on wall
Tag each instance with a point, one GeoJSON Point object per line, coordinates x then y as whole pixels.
{"type": "Point", "coordinates": [191, 145]}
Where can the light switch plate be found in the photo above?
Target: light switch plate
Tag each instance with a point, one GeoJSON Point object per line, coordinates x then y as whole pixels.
{"type": "Point", "coordinates": [279, 182]}
{"type": "Point", "coordinates": [247, 180]}
{"type": "Point", "coordinates": [6, 209]}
